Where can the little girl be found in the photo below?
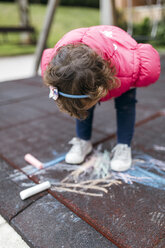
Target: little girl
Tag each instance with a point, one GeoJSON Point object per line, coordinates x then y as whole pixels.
{"type": "Point", "coordinates": [95, 64]}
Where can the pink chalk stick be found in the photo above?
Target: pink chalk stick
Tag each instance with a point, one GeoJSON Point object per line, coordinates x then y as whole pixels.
{"type": "Point", "coordinates": [33, 161]}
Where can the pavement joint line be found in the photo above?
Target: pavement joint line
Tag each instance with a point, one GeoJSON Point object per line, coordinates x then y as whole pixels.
{"type": "Point", "coordinates": [83, 216]}
{"type": "Point", "coordinates": [61, 199]}
{"type": "Point", "coordinates": [23, 236]}
{"type": "Point", "coordinates": [22, 210]}
{"type": "Point", "coordinates": [64, 202]}
{"type": "Point", "coordinates": [142, 148]}
{"type": "Point", "coordinates": [159, 241]}
{"type": "Point", "coordinates": [14, 234]}
{"type": "Point", "coordinates": [30, 177]}
{"type": "Point", "coordinates": [109, 137]}
{"type": "Point", "coordinates": [139, 123]}
{"type": "Point", "coordinates": [150, 118]}
{"type": "Point", "coordinates": [58, 114]}
{"type": "Point", "coordinates": [13, 165]}
{"type": "Point", "coordinates": [21, 99]}
{"type": "Point", "coordinates": [28, 121]}
{"type": "Point", "coordinates": [162, 112]}
{"type": "Point", "coordinates": [99, 131]}
{"type": "Point", "coordinates": [24, 122]}
{"type": "Point", "coordinates": [24, 81]}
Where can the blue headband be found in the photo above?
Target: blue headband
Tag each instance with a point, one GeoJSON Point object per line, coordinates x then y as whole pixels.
{"type": "Point", "coordinates": [54, 94]}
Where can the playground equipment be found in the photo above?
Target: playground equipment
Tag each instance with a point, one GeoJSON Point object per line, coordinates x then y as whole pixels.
{"type": "Point", "coordinates": [107, 10]}
{"type": "Point", "coordinates": [24, 28]}
{"type": "Point", "coordinates": [154, 19]}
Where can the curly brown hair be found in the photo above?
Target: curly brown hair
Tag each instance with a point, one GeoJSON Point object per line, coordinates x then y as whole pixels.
{"type": "Point", "coordinates": [77, 69]}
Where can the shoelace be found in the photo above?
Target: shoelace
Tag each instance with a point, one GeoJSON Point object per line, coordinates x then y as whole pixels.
{"type": "Point", "coordinates": [74, 141]}
{"type": "Point", "coordinates": [77, 145]}
{"type": "Point", "coordinates": [120, 151]}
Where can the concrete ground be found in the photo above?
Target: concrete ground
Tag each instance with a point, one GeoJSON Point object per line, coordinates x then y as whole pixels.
{"type": "Point", "coordinates": [9, 237]}
{"type": "Point", "coordinates": [16, 67]}
{"type": "Point", "coordinates": [63, 220]}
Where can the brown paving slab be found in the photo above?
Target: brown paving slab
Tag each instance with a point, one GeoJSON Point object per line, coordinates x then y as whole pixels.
{"type": "Point", "coordinates": [26, 129]}
{"type": "Point", "coordinates": [39, 136]}
{"type": "Point", "coordinates": [104, 122]}
{"type": "Point", "coordinates": [43, 104]}
{"type": "Point", "coordinates": [41, 220]}
{"type": "Point", "coordinates": [150, 138]}
{"type": "Point", "coordinates": [24, 121]}
{"type": "Point", "coordinates": [48, 223]}
{"type": "Point", "coordinates": [27, 113]}
{"type": "Point", "coordinates": [131, 214]}
{"type": "Point", "coordinates": [32, 94]}
{"type": "Point", "coordinates": [27, 100]}
{"type": "Point", "coordinates": [18, 90]}
{"type": "Point", "coordinates": [15, 113]}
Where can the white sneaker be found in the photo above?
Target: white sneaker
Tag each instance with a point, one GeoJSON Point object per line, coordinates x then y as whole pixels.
{"type": "Point", "coordinates": [121, 157]}
{"type": "Point", "coordinates": [78, 152]}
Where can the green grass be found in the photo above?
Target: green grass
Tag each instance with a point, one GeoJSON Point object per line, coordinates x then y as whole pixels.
{"type": "Point", "coordinates": [65, 19]}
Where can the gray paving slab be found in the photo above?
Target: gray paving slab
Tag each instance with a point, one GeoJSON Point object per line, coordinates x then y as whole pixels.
{"type": "Point", "coordinates": [12, 181]}
{"type": "Point", "coordinates": [48, 223]}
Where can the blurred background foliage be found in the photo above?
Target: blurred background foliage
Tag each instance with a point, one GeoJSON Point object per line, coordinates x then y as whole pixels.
{"type": "Point", "coordinates": [69, 15]}
{"type": "Point", "coordinates": [87, 3]}
{"type": "Point", "coordinates": [144, 28]}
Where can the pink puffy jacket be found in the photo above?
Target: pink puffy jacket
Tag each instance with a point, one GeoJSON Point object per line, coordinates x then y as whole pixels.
{"type": "Point", "coordinates": [137, 65]}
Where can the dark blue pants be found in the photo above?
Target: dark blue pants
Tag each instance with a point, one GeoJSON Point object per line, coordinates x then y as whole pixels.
{"type": "Point", "coordinates": [125, 114]}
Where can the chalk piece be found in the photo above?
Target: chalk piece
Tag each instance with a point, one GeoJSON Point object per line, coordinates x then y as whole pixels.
{"type": "Point", "coordinates": [33, 161]}
{"type": "Point", "coordinates": [34, 190]}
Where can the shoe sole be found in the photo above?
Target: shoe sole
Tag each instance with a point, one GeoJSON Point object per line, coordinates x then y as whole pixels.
{"type": "Point", "coordinates": [122, 169]}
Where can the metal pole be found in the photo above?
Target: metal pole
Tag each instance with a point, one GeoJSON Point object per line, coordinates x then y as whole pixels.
{"type": "Point", "coordinates": [130, 17]}
{"type": "Point", "coordinates": [107, 12]}
{"type": "Point", "coordinates": [155, 21]}
{"type": "Point", "coordinates": [23, 7]}
{"type": "Point", "coordinates": [41, 44]}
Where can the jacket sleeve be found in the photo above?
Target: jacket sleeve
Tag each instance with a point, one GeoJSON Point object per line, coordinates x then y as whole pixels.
{"type": "Point", "coordinates": [149, 66]}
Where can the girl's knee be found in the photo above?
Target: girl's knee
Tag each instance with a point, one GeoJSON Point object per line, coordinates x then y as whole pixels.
{"type": "Point", "coordinates": [126, 101]}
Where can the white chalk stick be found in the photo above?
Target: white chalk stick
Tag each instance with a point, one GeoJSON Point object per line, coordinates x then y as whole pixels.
{"type": "Point", "coordinates": [34, 190]}
{"type": "Point", "coordinates": [33, 161]}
